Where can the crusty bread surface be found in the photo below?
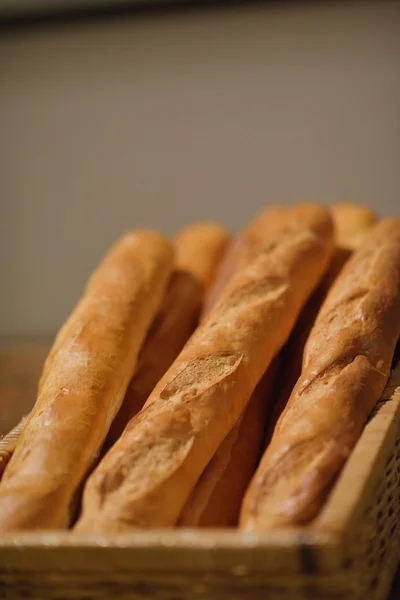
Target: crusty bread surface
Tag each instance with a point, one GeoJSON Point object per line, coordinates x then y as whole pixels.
{"type": "Point", "coordinates": [84, 381]}
{"type": "Point", "coordinates": [267, 224]}
{"type": "Point", "coordinates": [346, 365]}
{"type": "Point", "coordinates": [352, 222]}
{"type": "Point", "coordinates": [198, 251]}
{"type": "Point", "coordinates": [146, 478]}
{"type": "Point", "coordinates": [217, 497]}
{"type": "Point", "coordinates": [215, 500]}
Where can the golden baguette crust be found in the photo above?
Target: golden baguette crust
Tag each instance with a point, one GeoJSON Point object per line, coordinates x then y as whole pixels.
{"type": "Point", "coordinates": [215, 500]}
{"type": "Point", "coordinates": [217, 497]}
{"type": "Point", "coordinates": [172, 326]}
{"type": "Point", "coordinates": [352, 222]}
{"type": "Point", "coordinates": [146, 478]}
{"type": "Point", "coordinates": [198, 250]}
{"type": "Point", "coordinates": [264, 226]}
{"type": "Point", "coordinates": [86, 379]}
{"type": "Point", "coordinates": [346, 365]}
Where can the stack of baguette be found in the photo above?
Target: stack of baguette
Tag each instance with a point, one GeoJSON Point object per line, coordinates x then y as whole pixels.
{"type": "Point", "coordinates": [210, 382]}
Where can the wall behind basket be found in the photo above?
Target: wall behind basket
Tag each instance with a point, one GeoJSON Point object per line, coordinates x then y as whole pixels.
{"type": "Point", "coordinates": [160, 121]}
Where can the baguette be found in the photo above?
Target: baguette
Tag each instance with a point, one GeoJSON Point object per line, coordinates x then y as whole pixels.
{"type": "Point", "coordinates": [146, 478]}
{"type": "Point", "coordinates": [215, 500]}
{"type": "Point", "coordinates": [346, 365]}
{"type": "Point", "coordinates": [352, 222]}
{"type": "Point", "coordinates": [85, 383]}
{"type": "Point", "coordinates": [198, 250]}
{"type": "Point", "coordinates": [217, 497]}
{"type": "Point", "coordinates": [267, 225]}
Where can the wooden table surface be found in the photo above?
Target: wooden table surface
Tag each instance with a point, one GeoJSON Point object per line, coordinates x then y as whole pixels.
{"type": "Point", "coordinates": [21, 361]}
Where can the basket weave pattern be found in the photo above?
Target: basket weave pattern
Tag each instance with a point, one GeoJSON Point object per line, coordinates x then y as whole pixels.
{"type": "Point", "coordinates": [377, 542]}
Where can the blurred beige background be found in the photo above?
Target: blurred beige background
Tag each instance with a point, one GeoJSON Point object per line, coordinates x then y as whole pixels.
{"type": "Point", "coordinates": [160, 121]}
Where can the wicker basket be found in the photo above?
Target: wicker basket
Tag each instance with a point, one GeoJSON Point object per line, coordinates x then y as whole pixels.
{"type": "Point", "coordinates": [349, 552]}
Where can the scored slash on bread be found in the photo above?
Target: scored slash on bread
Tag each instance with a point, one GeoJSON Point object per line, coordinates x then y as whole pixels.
{"type": "Point", "coordinates": [198, 251]}
{"type": "Point", "coordinates": [84, 382]}
{"type": "Point", "coordinates": [346, 365]}
{"type": "Point", "coordinates": [188, 455]}
{"type": "Point", "coordinates": [216, 499]}
{"type": "Point", "coordinates": [217, 496]}
{"type": "Point", "coordinates": [146, 478]}
{"type": "Point", "coordinates": [267, 225]}
{"type": "Point", "coordinates": [352, 222]}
